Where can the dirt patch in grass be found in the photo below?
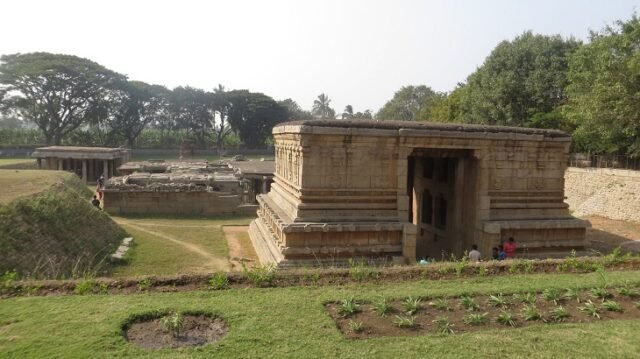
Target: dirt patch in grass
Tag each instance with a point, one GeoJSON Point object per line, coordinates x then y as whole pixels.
{"type": "Point", "coordinates": [240, 247]}
{"type": "Point", "coordinates": [196, 330]}
{"type": "Point", "coordinates": [434, 314]}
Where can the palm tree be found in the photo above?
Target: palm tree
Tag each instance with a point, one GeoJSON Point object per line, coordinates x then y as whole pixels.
{"type": "Point", "coordinates": [348, 113]}
{"type": "Point", "coordinates": [322, 108]}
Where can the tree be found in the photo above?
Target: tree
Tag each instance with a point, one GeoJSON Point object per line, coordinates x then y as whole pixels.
{"type": "Point", "coordinates": [518, 80]}
{"type": "Point", "coordinates": [604, 94]}
{"type": "Point", "coordinates": [220, 106]}
{"type": "Point", "coordinates": [296, 113]}
{"type": "Point", "coordinates": [407, 103]}
{"type": "Point", "coordinates": [322, 107]}
{"type": "Point", "coordinates": [253, 116]}
{"type": "Point", "coordinates": [190, 109]}
{"type": "Point", "coordinates": [348, 112]}
{"type": "Point", "coordinates": [141, 104]}
{"type": "Point", "coordinates": [58, 93]}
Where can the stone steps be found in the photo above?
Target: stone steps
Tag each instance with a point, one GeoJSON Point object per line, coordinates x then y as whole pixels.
{"type": "Point", "coordinates": [122, 250]}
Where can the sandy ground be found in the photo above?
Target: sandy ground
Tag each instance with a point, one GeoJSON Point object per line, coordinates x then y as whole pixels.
{"type": "Point", "coordinates": [237, 251]}
{"type": "Point", "coordinates": [607, 234]}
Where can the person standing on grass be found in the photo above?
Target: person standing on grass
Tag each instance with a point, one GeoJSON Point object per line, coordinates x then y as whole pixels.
{"type": "Point", "coordinates": [510, 248]}
{"type": "Point", "coordinates": [96, 202]}
{"type": "Point", "coordinates": [474, 255]}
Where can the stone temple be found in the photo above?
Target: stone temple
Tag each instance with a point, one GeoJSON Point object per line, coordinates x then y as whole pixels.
{"type": "Point", "coordinates": [395, 192]}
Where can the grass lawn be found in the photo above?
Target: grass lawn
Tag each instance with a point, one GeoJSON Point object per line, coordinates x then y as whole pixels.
{"type": "Point", "coordinates": [18, 183]}
{"type": "Point", "coordinates": [293, 323]}
{"type": "Point", "coordinates": [166, 246]}
{"type": "Point", "coordinates": [14, 160]}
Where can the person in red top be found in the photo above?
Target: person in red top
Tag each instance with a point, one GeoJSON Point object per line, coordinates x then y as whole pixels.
{"type": "Point", "coordinates": [510, 248]}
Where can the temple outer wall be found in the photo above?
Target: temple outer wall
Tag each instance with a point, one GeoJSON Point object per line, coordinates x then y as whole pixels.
{"type": "Point", "coordinates": [166, 202]}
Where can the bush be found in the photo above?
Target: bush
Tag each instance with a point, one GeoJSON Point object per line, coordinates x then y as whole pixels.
{"type": "Point", "coordinates": [260, 276]}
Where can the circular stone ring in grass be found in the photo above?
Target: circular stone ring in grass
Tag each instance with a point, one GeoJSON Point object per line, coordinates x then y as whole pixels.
{"type": "Point", "coordinates": [167, 329]}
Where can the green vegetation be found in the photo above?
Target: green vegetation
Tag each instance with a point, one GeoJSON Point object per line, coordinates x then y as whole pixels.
{"type": "Point", "coordinates": [530, 312]}
{"type": "Point", "coordinates": [612, 306]}
{"type": "Point", "coordinates": [411, 305]}
{"type": "Point", "coordinates": [50, 230]}
{"type": "Point", "coordinates": [356, 327]}
{"type": "Point", "coordinates": [444, 326]}
{"type": "Point", "coordinates": [469, 303]}
{"type": "Point", "coordinates": [219, 281]}
{"type": "Point", "coordinates": [476, 318]}
{"type": "Point", "coordinates": [559, 314]}
{"type": "Point", "coordinates": [348, 307]}
{"type": "Point", "coordinates": [260, 318]}
{"type": "Point", "coordinates": [173, 323]}
{"type": "Point", "coordinates": [507, 318]}
{"type": "Point", "coordinates": [528, 298]}
{"type": "Point", "coordinates": [405, 321]}
{"type": "Point", "coordinates": [382, 306]}
{"type": "Point", "coordinates": [498, 300]}
{"type": "Point", "coordinates": [359, 270]}
{"type": "Point", "coordinates": [260, 276]}
{"type": "Point", "coordinates": [554, 295]}
{"type": "Point", "coordinates": [591, 309]}
{"type": "Point", "coordinates": [440, 304]}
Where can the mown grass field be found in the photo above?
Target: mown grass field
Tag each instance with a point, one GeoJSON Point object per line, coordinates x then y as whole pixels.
{"type": "Point", "coordinates": [14, 160]}
{"type": "Point", "coordinates": [19, 183]}
{"type": "Point", "coordinates": [165, 246]}
{"type": "Point", "coordinates": [293, 323]}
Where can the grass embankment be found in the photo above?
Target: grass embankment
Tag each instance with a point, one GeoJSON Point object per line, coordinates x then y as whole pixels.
{"type": "Point", "coordinates": [165, 246]}
{"type": "Point", "coordinates": [293, 323]}
{"type": "Point", "coordinates": [48, 228]}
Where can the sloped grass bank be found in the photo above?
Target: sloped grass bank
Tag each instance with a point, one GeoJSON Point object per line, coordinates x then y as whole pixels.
{"type": "Point", "coordinates": [56, 233]}
{"type": "Point", "coordinates": [293, 323]}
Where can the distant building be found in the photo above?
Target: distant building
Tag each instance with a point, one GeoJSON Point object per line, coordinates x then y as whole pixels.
{"type": "Point", "coordinates": [87, 162]}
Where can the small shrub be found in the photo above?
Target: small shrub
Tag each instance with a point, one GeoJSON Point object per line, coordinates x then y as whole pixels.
{"type": "Point", "coordinates": [444, 269]}
{"type": "Point", "coordinates": [88, 286]}
{"type": "Point", "coordinates": [404, 321]}
{"type": "Point", "coordinates": [628, 291]}
{"type": "Point", "coordinates": [482, 271]}
{"type": "Point", "coordinates": [559, 314]}
{"type": "Point", "coordinates": [552, 295]}
{"type": "Point", "coordinates": [440, 304]}
{"type": "Point", "coordinates": [444, 326]}
{"type": "Point", "coordinates": [382, 307]}
{"type": "Point", "coordinates": [218, 281]}
{"type": "Point", "coordinates": [572, 294]}
{"type": "Point", "coordinates": [460, 264]}
{"type": "Point", "coordinates": [527, 298]}
{"type": "Point", "coordinates": [600, 293]}
{"type": "Point", "coordinates": [144, 284]}
{"type": "Point", "coordinates": [348, 307]}
{"type": "Point", "coordinates": [359, 270]}
{"type": "Point", "coordinates": [260, 276]}
{"type": "Point", "coordinates": [173, 323]}
{"type": "Point", "coordinates": [615, 257]}
{"type": "Point", "coordinates": [590, 309]}
{"type": "Point", "coordinates": [498, 300]}
{"type": "Point", "coordinates": [506, 318]}
{"type": "Point", "coordinates": [522, 266]}
{"type": "Point", "coordinates": [355, 327]}
{"type": "Point", "coordinates": [412, 305]}
{"type": "Point", "coordinates": [530, 312]}
{"type": "Point", "coordinates": [7, 279]}
{"type": "Point", "coordinates": [612, 306]}
{"type": "Point", "coordinates": [468, 303]}
{"type": "Point", "coordinates": [476, 319]}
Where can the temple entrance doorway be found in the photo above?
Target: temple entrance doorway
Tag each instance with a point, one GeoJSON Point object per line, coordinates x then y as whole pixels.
{"type": "Point", "coordinates": [440, 185]}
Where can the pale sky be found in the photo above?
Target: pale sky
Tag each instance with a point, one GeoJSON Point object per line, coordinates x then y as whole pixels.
{"type": "Point", "coordinates": [357, 52]}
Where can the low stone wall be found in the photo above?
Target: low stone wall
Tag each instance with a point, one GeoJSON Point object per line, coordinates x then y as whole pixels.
{"type": "Point", "coordinates": [608, 193]}
{"type": "Point", "coordinates": [187, 202]}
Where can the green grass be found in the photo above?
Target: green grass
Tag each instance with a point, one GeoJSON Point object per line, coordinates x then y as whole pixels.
{"type": "Point", "coordinates": [155, 254]}
{"type": "Point", "coordinates": [15, 160]}
{"type": "Point", "coordinates": [20, 183]}
{"type": "Point", "coordinates": [293, 323]}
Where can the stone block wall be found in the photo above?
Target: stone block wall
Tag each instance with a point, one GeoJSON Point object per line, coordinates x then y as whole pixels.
{"type": "Point", "coordinates": [186, 202]}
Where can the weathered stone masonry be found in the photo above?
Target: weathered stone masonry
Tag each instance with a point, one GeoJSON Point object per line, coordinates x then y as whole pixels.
{"type": "Point", "coordinates": [404, 190]}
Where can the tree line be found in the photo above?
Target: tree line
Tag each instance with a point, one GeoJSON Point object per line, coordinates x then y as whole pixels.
{"type": "Point", "coordinates": [67, 96]}
{"type": "Point", "coordinates": [591, 90]}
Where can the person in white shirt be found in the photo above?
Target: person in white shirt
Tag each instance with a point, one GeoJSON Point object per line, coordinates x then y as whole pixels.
{"type": "Point", "coordinates": [474, 255]}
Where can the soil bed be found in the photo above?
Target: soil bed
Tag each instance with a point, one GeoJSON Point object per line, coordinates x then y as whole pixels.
{"type": "Point", "coordinates": [197, 330]}
{"type": "Point", "coordinates": [374, 325]}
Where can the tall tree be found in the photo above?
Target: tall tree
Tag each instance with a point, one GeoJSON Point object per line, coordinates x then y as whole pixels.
{"type": "Point", "coordinates": [348, 112]}
{"type": "Point", "coordinates": [220, 106]}
{"type": "Point", "coordinates": [58, 93]}
{"type": "Point", "coordinates": [407, 103]}
{"type": "Point", "coordinates": [296, 113]}
{"type": "Point", "coordinates": [604, 94]}
{"type": "Point", "coordinates": [253, 116]}
{"type": "Point", "coordinates": [322, 107]}
{"type": "Point", "coordinates": [190, 109]}
{"type": "Point", "coordinates": [519, 79]}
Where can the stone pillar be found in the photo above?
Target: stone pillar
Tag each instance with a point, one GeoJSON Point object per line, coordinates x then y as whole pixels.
{"type": "Point", "coordinates": [84, 171]}
{"type": "Point", "coordinates": [264, 185]}
{"type": "Point", "coordinates": [105, 169]}
{"type": "Point", "coordinates": [39, 160]}
{"type": "Point", "coordinates": [60, 164]}
{"type": "Point", "coordinates": [409, 234]}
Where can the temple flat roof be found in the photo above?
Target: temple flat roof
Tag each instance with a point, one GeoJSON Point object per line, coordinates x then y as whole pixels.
{"type": "Point", "coordinates": [412, 125]}
{"type": "Point", "coordinates": [102, 153]}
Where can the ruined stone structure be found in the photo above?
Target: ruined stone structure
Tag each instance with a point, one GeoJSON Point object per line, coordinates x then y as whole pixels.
{"type": "Point", "coordinates": [183, 187]}
{"type": "Point", "coordinates": [399, 191]}
{"type": "Point", "coordinates": [87, 162]}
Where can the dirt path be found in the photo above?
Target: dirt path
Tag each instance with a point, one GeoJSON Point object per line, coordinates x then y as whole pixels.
{"type": "Point", "coordinates": [236, 251]}
{"type": "Point", "coordinates": [213, 261]}
{"type": "Point", "coordinates": [607, 234]}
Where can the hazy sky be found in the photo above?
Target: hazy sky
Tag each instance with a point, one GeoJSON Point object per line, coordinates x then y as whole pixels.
{"type": "Point", "coordinates": [358, 52]}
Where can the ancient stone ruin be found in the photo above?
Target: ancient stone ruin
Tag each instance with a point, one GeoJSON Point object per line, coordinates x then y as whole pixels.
{"type": "Point", "coordinates": [87, 162]}
{"type": "Point", "coordinates": [186, 187]}
{"type": "Point", "coordinates": [397, 191]}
